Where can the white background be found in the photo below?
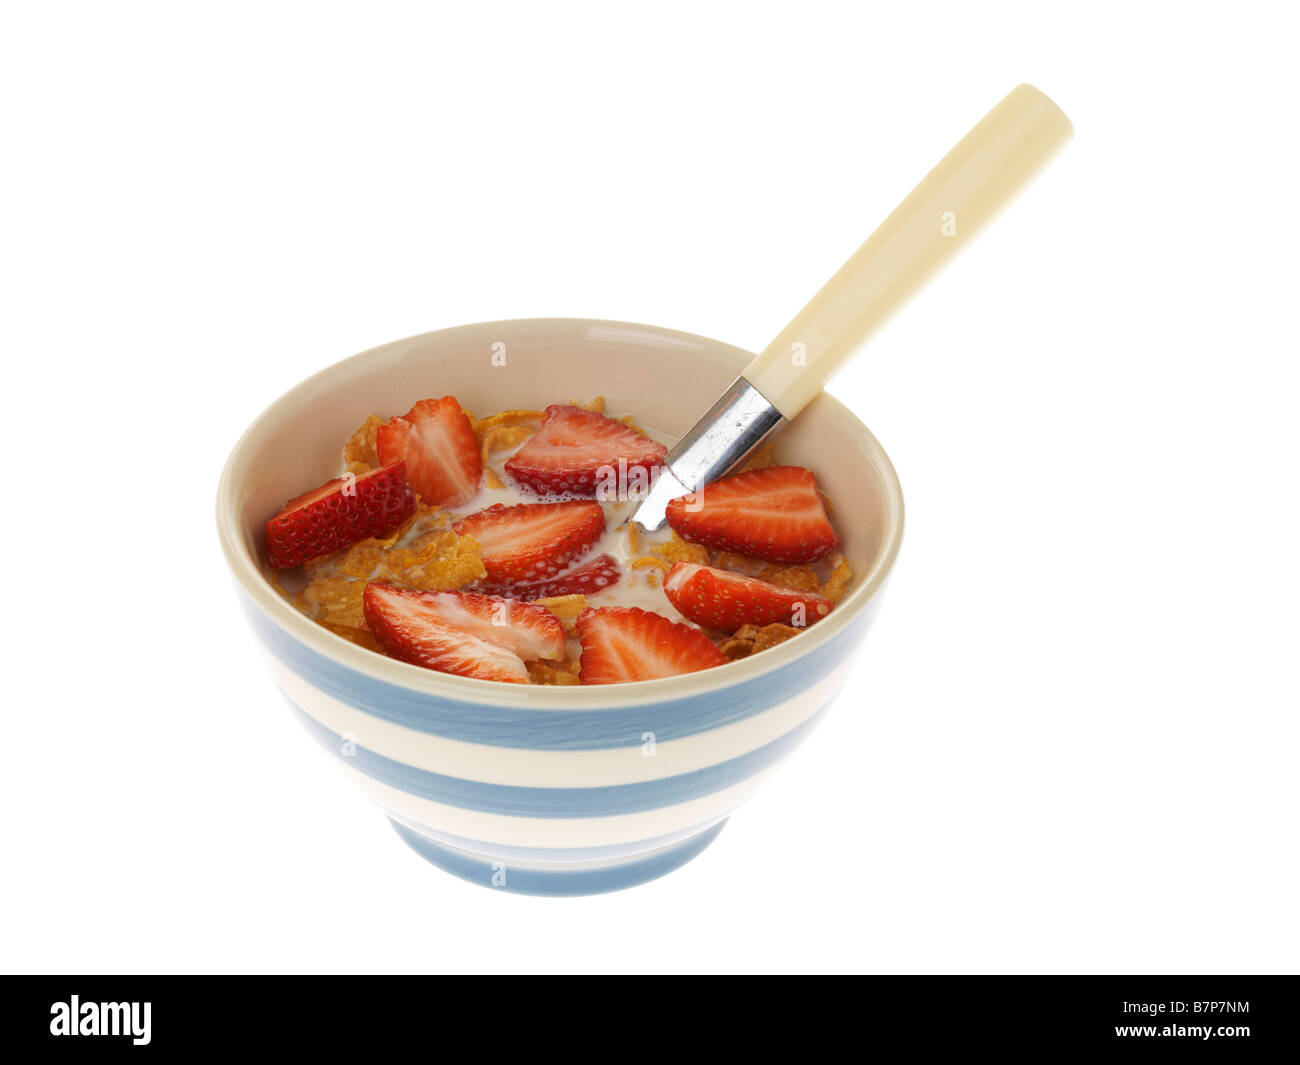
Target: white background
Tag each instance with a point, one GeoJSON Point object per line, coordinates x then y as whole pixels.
{"type": "Point", "coordinates": [1070, 744]}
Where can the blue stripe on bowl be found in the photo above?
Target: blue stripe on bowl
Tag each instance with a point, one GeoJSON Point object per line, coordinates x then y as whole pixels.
{"type": "Point", "coordinates": [554, 730]}
{"type": "Point", "coordinates": [515, 801]}
{"type": "Point", "coordinates": [610, 852]}
{"type": "Point", "coordinates": [524, 881]}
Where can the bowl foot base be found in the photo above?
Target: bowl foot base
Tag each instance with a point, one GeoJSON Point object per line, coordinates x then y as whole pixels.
{"type": "Point", "coordinates": [590, 879]}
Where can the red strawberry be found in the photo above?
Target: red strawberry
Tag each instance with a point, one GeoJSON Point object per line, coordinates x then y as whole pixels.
{"type": "Point", "coordinates": [577, 451]}
{"type": "Point", "coordinates": [623, 643]}
{"type": "Point", "coordinates": [470, 635]}
{"type": "Point", "coordinates": [600, 573]}
{"type": "Point", "coordinates": [438, 445]}
{"type": "Point", "coordinates": [720, 599]}
{"type": "Point", "coordinates": [774, 514]}
{"type": "Point", "coordinates": [532, 541]}
{"type": "Point", "coordinates": [338, 514]}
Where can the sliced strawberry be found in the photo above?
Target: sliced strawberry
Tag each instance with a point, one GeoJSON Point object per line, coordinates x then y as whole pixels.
{"type": "Point", "coordinates": [532, 541]}
{"type": "Point", "coordinates": [338, 514]}
{"type": "Point", "coordinates": [775, 514]}
{"type": "Point", "coordinates": [627, 643]}
{"type": "Point", "coordinates": [720, 599]}
{"type": "Point", "coordinates": [577, 451]}
{"type": "Point", "coordinates": [595, 576]}
{"type": "Point", "coordinates": [470, 635]}
{"type": "Point", "coordinates": [438, 445]}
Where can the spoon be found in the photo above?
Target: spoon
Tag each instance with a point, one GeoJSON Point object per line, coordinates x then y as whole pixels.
{"type": "Point", "coordinates": [987, 169]}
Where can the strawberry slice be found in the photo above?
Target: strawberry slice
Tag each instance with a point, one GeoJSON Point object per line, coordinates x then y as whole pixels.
{"type": "Point", "coordinates": [338, 514]}
{"type": "Point", "coordinates": [532, 541]}
{"type": "Point", "coordinates": [437, 442]}
{"type": "Point", "coordinates": [576, 452]}
{"type": "Point", "coordinates": [595, 576]}
{"type": "Point", "coordinates": [481, 636]}
{"type": "Point", "coordinates": [775, 514]}
{"type": "Point", "coordinates": [720, 599]}
{"type": "Point", "coordinates": [627, 643]}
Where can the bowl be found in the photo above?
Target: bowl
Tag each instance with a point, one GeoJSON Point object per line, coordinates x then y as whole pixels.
{"type": "Point", "coordinates": [537, 789]}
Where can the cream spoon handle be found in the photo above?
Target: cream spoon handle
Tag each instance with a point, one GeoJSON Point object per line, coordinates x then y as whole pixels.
{"type": "Point", "coordinates": [987, 169]}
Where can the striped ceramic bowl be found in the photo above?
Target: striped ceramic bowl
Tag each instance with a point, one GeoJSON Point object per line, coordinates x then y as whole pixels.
{"type": "Point", "coordinates": [552, 790]}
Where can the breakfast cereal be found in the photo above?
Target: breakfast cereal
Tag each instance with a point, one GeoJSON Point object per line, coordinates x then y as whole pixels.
{"type": "Point", "coordinates": [420, 589]}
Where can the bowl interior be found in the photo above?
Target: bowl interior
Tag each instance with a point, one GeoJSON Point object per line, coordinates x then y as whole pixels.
{"type": "Point", "coordinates": [666, 379]}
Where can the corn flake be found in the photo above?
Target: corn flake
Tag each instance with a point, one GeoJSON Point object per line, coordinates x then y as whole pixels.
{"type": "Point", "coordinates": [771, 635]}
{"type": "Point", "coordinates": [505, 419]}
{"type": "Point", "coordinates": [440, 562]}
{"type": "Point", "coordinates": [735, 649]}
{"type": "Point", "coordinates": [841, 573]}
{"type": "Point", "coordinates": [750, 639]}
{"type": "Point", "coordinates": [361, 637]}
{"type": "Point", "coordinates": [633, 424]}
{"type": "Point", "coordinates": [565, 607]}
{"type": "Point", "coordinates": [804, 578]}
{"type": "Point", "coordinates": [759, 460]}
{"type": "Point", "coordinates": [678, 550]}
{"type": "Point", "coordinates": [736, 563]}
{"type": "Point", "coordinates": [362, 449]}
{"type": "Point", "coordinates": [545, 673]}
{"type": "Point", "coordinates": [633, 539]}
{"type": "Point", "coordinates": [334, 599]}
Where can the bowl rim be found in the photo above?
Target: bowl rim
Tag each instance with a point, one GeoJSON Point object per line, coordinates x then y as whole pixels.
{"type": "Point", "coordinates": [252, 581]}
